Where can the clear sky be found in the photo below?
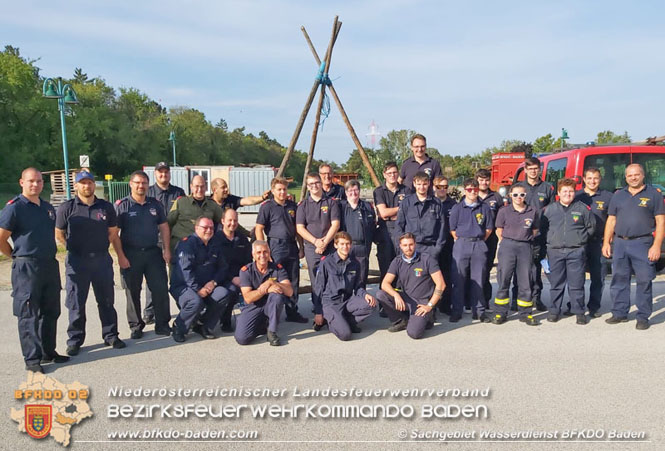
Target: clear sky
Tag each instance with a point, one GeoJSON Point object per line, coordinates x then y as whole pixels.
{"type": "Point", "coordinates": [465, 74]}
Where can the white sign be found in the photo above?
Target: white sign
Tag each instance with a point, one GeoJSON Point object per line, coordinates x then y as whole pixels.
{"type": "Point", "coordinates": [84, 161]}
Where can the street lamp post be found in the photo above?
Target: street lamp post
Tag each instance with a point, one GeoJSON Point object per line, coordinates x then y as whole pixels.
{"type": "Point", "coordinates": [65, 95]}
{"type": "Point", "coordinates": [564, 137]}
{"type": "Point", "coordinates": [172, 139]}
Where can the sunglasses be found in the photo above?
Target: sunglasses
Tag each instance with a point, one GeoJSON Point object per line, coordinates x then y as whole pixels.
{"type": "Point", "coordinates": [518, 194]}
{"type": "Point", "coordinates": [471, 190]}
{"type": "Point", "coordinates": [441, 186]}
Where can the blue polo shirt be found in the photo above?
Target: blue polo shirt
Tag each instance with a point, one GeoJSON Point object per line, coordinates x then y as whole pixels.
{"type": "Point", "coordinates": [336, 281]}
{"type": "Point", "coordinates": [86, 226]}
{"type": "Point", "coordinates": [317, 216]}
{"type": "Point", "coordinates": [250, 277]}
{"type": "Point", "coordinates": [636, 214]}
{"type": "Point", "coordinates": [32, 227]}
{"type": "Point", "coordinates": [359, 222]}
{"type": "Point", "coordinates": [391, 199]}
{"type": "Point", "coordinates": [517, 225]}
{"type": "Point", "coordinates": [166, 196]}
{"type": "Point", "coordinates": [236, 252]}
{"type": "Point", "coordinates": [415, 276]}
{"type": "Point", "coordinates": [232, 202]}
{"type": "Point", "coordinates": [539, 195]}
{"type": "Point", "coordinates": [279, 221]}
{"type": "Point", "coordinates": [139, 223]}
{"type": "Point", "coordinates": [336, 192]}
{"type": "Point", "coordinates": [425, 219]}
{"type": "Point", "coordinates": [494, 201]}
{"type": "Point", "coordinates": [599, 204]}
{"type": "Point", "coordinates": [471, 222]}
{"type": "Point", "coordinates": [410, 167]}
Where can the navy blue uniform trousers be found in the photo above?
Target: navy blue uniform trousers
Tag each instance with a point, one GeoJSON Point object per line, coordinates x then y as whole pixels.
{"type": "Point", "coordinates": [80, 272]}
{"type": "Point", "coordinates": [632, 255]}
{"type": "Point", "coordinates": [514, 260]}
{"type": "Point", "coordinates": [417, 324]}
{"type": "Point", "coordinates": [36, 293]}
{"type": "Point", "coordinates": [567, 267]}
{"type": "Point", "coordinates": [469, 266]}
{"type": "Point", "coordinates": [253, 318]}
{"type": "Point", "coordinates": [191, 305]}
{"type": "Point", "coordinates": [340, 314]}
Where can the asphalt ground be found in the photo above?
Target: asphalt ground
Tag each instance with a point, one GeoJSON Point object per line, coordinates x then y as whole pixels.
{"type": "Point", "coordinates": [556, 378]}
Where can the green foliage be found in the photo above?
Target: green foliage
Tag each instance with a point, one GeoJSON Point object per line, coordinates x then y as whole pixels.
{"type": "Point", "coordinates": [609, 137]}
{"type": "Point", "coordinates": [543, 144]}
{"type": "Point", "coordinates": [120, 130]}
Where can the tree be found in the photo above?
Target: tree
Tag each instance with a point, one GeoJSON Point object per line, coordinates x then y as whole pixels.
{"type": "Point", "coordinates": [543, 144]}
{"type": "Point", "coordinates": [79, 76]}
{"type": "Point", "coordinates": [609, 137]}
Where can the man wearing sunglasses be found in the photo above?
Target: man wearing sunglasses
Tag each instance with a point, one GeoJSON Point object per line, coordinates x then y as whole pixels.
{"type": "Point", "coordinates": [539, 194]}
{"type": "Point", "coordinates": [446, 255]}
{"type": "Point", "coordinates": [471, 222]}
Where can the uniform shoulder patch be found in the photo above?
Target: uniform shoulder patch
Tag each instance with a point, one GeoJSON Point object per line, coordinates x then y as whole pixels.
{"type": "Point", "coordinates": [185, 238]}
{"type": "Point", "coordinates": [118, 202]}
{"type": "Point", "coordinates": [588, 207]}
{"type": "Point", "coordinates": [244, 268]}
{"type": "Point", "coordinates": [279, 265]}
{"type": "Point", "coordinates": [323, 258]}
{"type": "Point", "coordinates": [11, 201]}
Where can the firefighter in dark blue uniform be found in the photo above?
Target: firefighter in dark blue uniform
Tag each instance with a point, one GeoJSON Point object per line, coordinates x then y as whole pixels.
{"type": "Point", "coordinates": [166, 194]}
{"type": "Point", "coordinates": [446, 255]}
{"type": "Point", "coordinates": [516, 225]}
{"type": "Point", "coordinates": [567, 225]}
{"type": "Point", "coordinates": [140, 220]}
{"type": "Point", "coordinates": [276, 223]}
{"type": "Point", "coordinates": [387, 199]}
{"type": "Point", "coordinates": [236, 251]}
{"type": "Point", "coordinates": [30, 223]}
{"type": "Point", "coordinates": [539, 194]}
{"type": "Point", "coordinates": [87, 225]}
{"type": "Point", "coordinates": [421, 214]}
{"type": "Point", "coordinates": [358, 220]}
{"type": "Point", "coordinates": [196, 282]}
{"type": "Point", "coordinates": [471, 222]}
{"type": "Point", "coordinates": [599, 201]}
{"type": "Point", "coordinates": [341, 291]}
{"type": "Point", "coordinates": [419, 162]}
{"type": "Point", "coordinates": [495, 201]}
{"type": "Point", "coordinates": [420, 285]}
{"type": "Point", "coordinates": [636, 227]}
{"type": "Point", "coordinates": [330, 189]}
{"type": "Point", "coordinates": [265, 288]}
{"type": "Point", "coordinates": [317, 221]}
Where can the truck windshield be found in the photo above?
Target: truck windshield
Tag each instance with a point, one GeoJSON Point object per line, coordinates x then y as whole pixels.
{"type": "Point", "coordinates": [612, 167]}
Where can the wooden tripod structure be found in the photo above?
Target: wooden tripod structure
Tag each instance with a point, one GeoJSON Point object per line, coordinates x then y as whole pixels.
{"type": "Point", "coordinates": [322, 81]}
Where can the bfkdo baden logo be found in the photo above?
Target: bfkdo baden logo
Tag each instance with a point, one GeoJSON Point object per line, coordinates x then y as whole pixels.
{"type": "Point", "coordinates": [38, 420]}
{"type": "Point", "coordinates": [50, 408]}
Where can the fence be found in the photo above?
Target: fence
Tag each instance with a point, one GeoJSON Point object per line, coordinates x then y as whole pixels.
{"type": "Point", "coordinates": [118, 190]}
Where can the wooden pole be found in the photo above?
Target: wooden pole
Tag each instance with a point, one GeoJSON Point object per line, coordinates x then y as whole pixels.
{"type": "Point", "coordinates": [303, 117]}
{"type": "Point", "coordinates": [359, 146]}
{"type": "Point", "coordinates": [322, 94]}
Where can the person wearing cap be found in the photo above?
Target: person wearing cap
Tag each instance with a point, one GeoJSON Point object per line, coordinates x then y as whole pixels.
{"type": "Point", "coordinates": [186, 209]}
{"type": "Point", "coordinates": [419, 162]}
{"type": "Point", "coordinates": [446, 255]}
{"type": "Point", "coordinates": [342, 300]}
{"type": "Point", "coordinates": [265, 289]}
{"type": "Point", "coordinates": [421, 285]}
{"type": "Point", "coordinates": [87, 224]}
{"type": "Point", "coordinates": [276, 223]}
{"type": "Point", "coordinates": [516, 225]}
{"type": "Point", "coordinates": [330, 189]}
{"type": "Point", "coordinates": [567, 226]}
{"type": "Point", "coordinates": [358, 219]}
{"type": "Point", "coordinates": [223, 198]}
{"type": "Point", "coordinates": [30, 222]}
{"type": "Point", "coordinates": [636, 227]}
{"type": "Point", "coordinates": [166, 194]}
{"type": "Point", "coordinates": [471, 223]}
{"type": "Point", "coordinates": [387, 199]}
{"type": "Point", "coordinates": [141, 220]}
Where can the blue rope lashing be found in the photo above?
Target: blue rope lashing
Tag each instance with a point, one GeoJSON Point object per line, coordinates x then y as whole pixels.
{"type": "Point", "coordinates": [320, 75]}
{"type": "Point", "coordinates": [325, 108]}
